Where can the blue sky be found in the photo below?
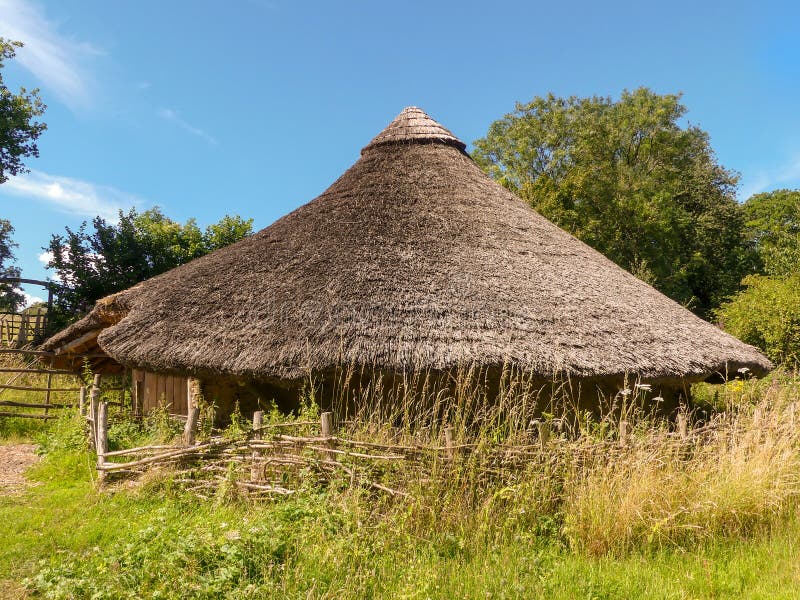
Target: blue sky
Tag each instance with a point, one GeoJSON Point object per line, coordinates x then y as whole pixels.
{"type": "Point", "coordinates": [254, 107]}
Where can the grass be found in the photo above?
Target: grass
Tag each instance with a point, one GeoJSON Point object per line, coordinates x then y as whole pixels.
{"type": "Point", "coordinates": [12, 429]}
{"type": "Point", "coordinates": [655, 519]}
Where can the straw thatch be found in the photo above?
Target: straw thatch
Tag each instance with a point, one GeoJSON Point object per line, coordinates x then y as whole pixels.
{"type": "Point", "coordinates": [414, 258]}
{"type": "Point", "coordinates": [107, 311]}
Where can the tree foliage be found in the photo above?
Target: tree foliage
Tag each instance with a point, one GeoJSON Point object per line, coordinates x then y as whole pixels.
{"type": "Point", "coordinates": [767, 312]}
{"type": "Point", "coordinates": [631, 181]}
{"type": "Point", "coordinates": [767, 315]}
{"type": "Point", "coordinates": [18, 128]}
{"type": "Point", "coordinates": [772, 222]}
{"type": "Point", "coordinates": [115, 256]}
{"type": "Point", "coordinates": [10, 297]}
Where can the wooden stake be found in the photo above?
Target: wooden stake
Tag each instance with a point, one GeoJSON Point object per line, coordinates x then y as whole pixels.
{"type": "Point", "coordinates": [258, 421]}
{"type": "Point", "coordinates": [191, 425]}
{"type": "Point", "coordinates": [326, 425]}
{"type": "Point", "coordinates": [448, 441]}
{"type": "Point", "coordinates": [47, 393]}
{"type": "Point", "coordinates": [544, 433]}
{"type": "Point", "coordinates": [683, 425]}
{"type": "Point", "coordinates": [194, 390]}
{"type": "Point", "coordinates": [102, 438]}
{"type": "Point", "coordinates": [82, 401]}
{"type": "Point", "coordinates": [94, 401]}
{"type": "Point", "coordinates": [623, 433]}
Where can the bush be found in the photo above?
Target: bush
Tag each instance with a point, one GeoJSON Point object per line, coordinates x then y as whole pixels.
{"type": "Point", "coordinates": [767, 315]}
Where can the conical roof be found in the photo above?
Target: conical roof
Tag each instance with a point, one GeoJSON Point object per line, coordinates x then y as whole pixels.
{"type": "Point", "coordinates": [414, 125]}
{"type": "Point", "coordinates": [414, 258]}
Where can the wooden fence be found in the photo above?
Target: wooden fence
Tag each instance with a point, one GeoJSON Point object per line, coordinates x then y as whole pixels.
{"type": "Point", "coordinates": [18, 330]}
{"type": "Point", "coordinates": [275, 459]}
{"type": "Point", "coordinates": [48, 392]}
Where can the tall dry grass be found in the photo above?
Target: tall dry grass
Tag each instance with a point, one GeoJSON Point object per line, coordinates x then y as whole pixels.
{"type": "Point", "coordinates": [736, 473]}
{"type": "Point", "coordinates": [739, 475]}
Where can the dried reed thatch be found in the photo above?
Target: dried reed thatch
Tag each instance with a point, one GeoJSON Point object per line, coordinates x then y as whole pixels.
{"type": "Point", "coordinates": [414, 258]}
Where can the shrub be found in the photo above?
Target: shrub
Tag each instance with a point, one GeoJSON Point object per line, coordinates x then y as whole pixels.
{"type": "Point", "coordinates": [767, 315]}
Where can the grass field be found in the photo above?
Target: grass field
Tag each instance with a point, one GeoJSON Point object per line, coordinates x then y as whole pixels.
{"type": "Point", "coordinates": [719, 523]}
{"type": "Point", "coordinates": [35, 380]}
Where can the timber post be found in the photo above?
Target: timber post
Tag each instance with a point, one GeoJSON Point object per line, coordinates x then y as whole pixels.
{"type": "Point", "coordinates": [543, 427]}
{"type": "Point", "coordinates": [258, 422]}
{"type": "Point", "coordinates": [623, 433]}
{"type": "Point", "coordinates": [326, 426]}
{"type": "Point", "coordinates": [102, 439]}
{"type": "Point", "coordinates": [47, 393]}
{"type": "Point", "coordinates": [82, 401]}
{"type": "Point", "coordinates": [94, 401]}
{"type": "Point", "coordinates": [449, 432]}
{"type": "Point", "coordinates": [194, 393]}
{"type": "Point", "coordinates": [683, 425]}
{"type": "Point", "coordinates": [190, 430]}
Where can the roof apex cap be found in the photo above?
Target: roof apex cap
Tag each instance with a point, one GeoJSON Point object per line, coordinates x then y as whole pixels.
{"type": "Point", "coordinates": [414, 125]}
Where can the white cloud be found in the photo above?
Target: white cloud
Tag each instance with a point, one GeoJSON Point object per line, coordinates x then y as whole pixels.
{"type": "Point", "coordinates": [173, 116]}
{"type": "Point", "coordinates": [788, 174]}
{"type": "Point", "coordinates": [45, 258]}
{"type": "Point", "coordinates": [56, 60]}
{"type": "Point", "coordinates": [72, 196]}
{"type": "Point", "coordinates": [31, 300]}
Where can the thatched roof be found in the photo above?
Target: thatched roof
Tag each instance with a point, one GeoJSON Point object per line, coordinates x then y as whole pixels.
{"type": "Point", "coordinates": [414, 258]}
{"type": "Point", "coordinates": [107, 311]}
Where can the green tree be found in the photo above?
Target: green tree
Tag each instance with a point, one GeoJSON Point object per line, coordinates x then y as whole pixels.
{"type": "Point", "coordinates": [10, 297]}
{"type": "Point", "coordinates": [115, 256]}
{"type": "Point", "coordinates": [766, 314]}
{"type": "Point", "coordinates": [772, 224]}
{"type": "Point", "coordinates": [18, 129]}
{"type": "Point", "coordinates": [630, 180]}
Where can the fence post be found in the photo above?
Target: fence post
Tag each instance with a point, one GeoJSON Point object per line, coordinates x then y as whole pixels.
{"type": "Point", "coordinates": [448, 441]}
{"type": "Point", "coordinates": [94, 401]}
{"type": "Point", "coordinates": [47, 393]}
{"type": "Point", "coordinates": [82, 401]}
{"type": "Point", "coordinates": [192, 410]}
{"type": "Point", "coordinates": [191, 425]}
{"type": "Point", "coordinates": [326, 425]}
{"type": "Point", "coordinates": [22, 332]}
{"type": "Point", "coordinates": [683, 425]}
{"type": "Point", "coordinates": [258, 422]}
{"type": "Point", "coordinates": [544, 433]}
{"type": "Point", "coordinates": [623, 433]}
{"type": "Point", "coordinates": [102, 439]}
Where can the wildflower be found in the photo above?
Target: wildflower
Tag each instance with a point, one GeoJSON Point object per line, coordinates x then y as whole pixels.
{"type": "Point", "coordinates": [645, 387]}
{"type": "Point", "coordinates": [625, 392]}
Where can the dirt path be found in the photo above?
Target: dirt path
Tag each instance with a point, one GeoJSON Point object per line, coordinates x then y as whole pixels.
{"type": "Point", "coordinates": [14, 460]}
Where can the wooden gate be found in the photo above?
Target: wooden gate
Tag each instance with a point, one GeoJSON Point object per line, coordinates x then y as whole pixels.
{"type": "Point", "coordinates": [31, 390]}
{"type": "Point", "coordinates": [29, 327]}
